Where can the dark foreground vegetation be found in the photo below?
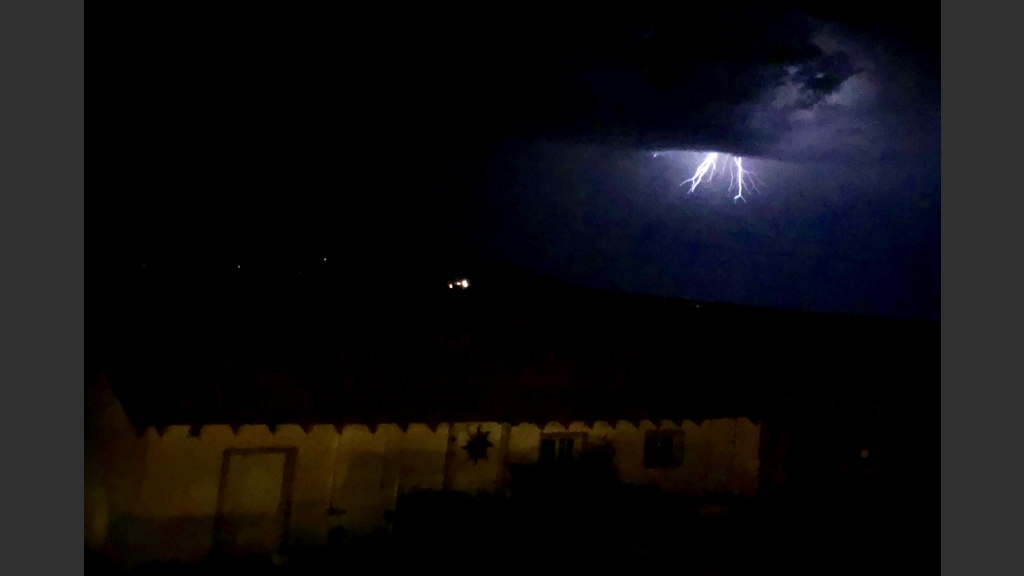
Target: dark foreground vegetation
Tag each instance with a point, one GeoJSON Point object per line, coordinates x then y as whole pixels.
{"type": "Point", "coordinates": [841, 529]}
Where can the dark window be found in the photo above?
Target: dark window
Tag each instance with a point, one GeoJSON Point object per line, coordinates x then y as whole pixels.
{"type": "Point", "coordinates": [556, 450]}
{"type": "Point", "coordinates": [660, 450]}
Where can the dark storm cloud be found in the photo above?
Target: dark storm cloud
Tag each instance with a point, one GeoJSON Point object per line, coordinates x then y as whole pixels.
{"type": "Point", "coordinates": [755, 79]}
{"type": "Point", "coordinates": [865, 101]}
{"type": "Point", "coordinates": [664, 77]}
{"type": "Point", "coordinates": [823, 75]}
{"type": "Point", "coordinates": [625, 74]}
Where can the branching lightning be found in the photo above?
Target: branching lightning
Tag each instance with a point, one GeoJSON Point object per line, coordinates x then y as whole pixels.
{"type": "Point", "coordinates": [741, 180]}
{"type": "Point", "coordinates": [710, 163]}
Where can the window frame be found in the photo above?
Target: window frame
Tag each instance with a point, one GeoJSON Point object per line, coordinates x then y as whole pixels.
{"type": "Point", "coordinates": [653, 460]}
{"type": "Point", "coordinates": [579, 440]}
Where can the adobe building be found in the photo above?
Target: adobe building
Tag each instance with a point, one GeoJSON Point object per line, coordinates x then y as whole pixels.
{"type": "Point", "coordinates": [243, 432]}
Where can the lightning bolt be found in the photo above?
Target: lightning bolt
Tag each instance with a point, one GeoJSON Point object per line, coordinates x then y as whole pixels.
{"type": "Point", "coordinates": [710, 163]}
{"type": "Point", "coordinates": [740, 179]}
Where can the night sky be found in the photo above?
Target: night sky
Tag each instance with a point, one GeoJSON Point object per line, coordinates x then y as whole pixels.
{"type": "Point", "coordinates": [414, 147]}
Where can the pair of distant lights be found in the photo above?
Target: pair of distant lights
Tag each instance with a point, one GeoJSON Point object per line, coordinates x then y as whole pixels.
{"type": "Point", "coordinates": [461, 284]}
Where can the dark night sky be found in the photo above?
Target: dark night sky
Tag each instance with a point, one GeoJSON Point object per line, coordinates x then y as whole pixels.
{"type": "Point", "coordinates": [421, 146]}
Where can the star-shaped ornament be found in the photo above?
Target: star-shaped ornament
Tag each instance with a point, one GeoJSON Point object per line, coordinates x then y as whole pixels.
{"type": "Point", "coordinates": [477, 446]}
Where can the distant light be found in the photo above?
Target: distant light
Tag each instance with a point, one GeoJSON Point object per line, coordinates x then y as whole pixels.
{"type": "Point", "coordinates": [461, 283]}
{"type": "Point", "coordinates": [864, 454]}
{"type": "Point", "coordinates": [450, 285]}
{"type": "Point", "coordinates": [325, 259]}
{"type": "Point", "coordinates": [239, 265]}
